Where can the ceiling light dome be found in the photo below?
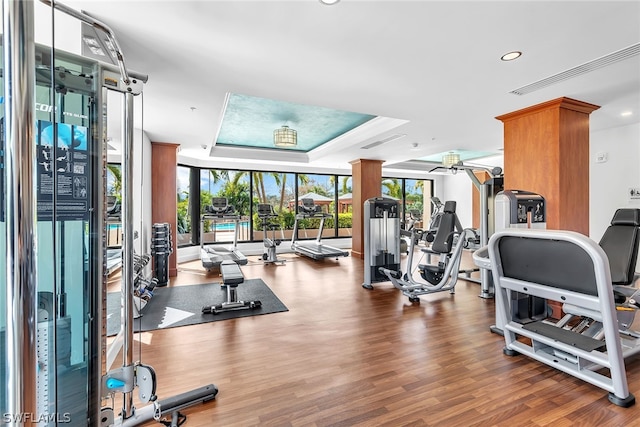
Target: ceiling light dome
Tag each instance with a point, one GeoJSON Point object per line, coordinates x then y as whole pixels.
{"type": "Point", "coordinates": [450, 159]}
{"type": "Point", "coordinates": [285, 137]}
{"type": "Point", "coordinates": [329, 2]}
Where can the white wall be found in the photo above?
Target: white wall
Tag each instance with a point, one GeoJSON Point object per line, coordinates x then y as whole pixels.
{"type": "Point", "coordinates": [141, 189]}
{"type": "Point", "coordinates": [610, 181]}
{"type": "Point", "coordinates": [458, 188]}
{"type": "Point", "coordinates": [68, 29]}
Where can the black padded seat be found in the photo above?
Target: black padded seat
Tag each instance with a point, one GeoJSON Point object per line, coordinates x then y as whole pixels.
{"type": "Point", "coordinates": [231, 273]}
{"type": "Point", "coordinates": [620, 243]}
{"type": "Point", "coordinates": [442, 244]}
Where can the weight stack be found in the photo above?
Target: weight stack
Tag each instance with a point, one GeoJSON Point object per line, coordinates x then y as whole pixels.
{"type": "Point", "coordinates": [161, 248]}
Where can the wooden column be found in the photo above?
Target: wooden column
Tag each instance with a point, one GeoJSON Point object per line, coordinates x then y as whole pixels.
{"type": "Point", "coordinates": [164, 201]}
{"type": "Point", "coordinates": [366, 177]}
{"type": "Point", "coordinates": [546, 150]}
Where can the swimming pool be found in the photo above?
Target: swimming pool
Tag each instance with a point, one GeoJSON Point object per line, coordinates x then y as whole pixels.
{"type": "Point", "coordinates": [229, 226]}
{"type": "Point", "coordinates": [221, 226]}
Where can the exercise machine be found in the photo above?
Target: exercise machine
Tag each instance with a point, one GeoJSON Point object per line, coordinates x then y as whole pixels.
{"type": "Point", "coordinates": [213, 255]}
{"type": "Point", "coordinates": [488, 181]}
{"type": "Point", "coordinates": [307, 209]}
{"type": "Point", "coordinates": [524, 210]}
{"type": "Point", "coordinates": [266, 214]}
{"type": "Point", "coordinates": [569, 268]}
{"type": "Point", "coordinates": [59, 350]}
{"type": "Point", "coordinates": [620, 243]}
{"type": "Point", "coordinates": [415, 217]}
{"type": "Point", "coordinates": [439, 277]}
{"type": "Point", "coordinates": [382, 246]}
{"type": "Point", "coordinates": [434, 221]}
{"type": "Point", "coordinates": [231, 277]}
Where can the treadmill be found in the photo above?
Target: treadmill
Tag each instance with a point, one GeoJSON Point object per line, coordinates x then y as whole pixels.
{"type": "Point", "coordinates": [315, 249]}
{"type": "Point", "coordinates": [213, 255]}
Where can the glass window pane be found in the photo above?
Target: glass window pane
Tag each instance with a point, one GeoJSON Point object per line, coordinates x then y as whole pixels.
{"type": "Point", "coordinates": [320, 188]}
{"type": "Point", "coordinates": [392, 188]}
{"type": "Point", "coordinates": [414, 197]}
{"type": "Point", "coordinates": [345, 206]}
{"type": "Point", "coordinates": [184, 209]}
{"type": "Point", "coordinates": [276, 189]}
{"type": "Point", "coordinates": [234, 187]}
{"type": "Point", "coordinates": [114, 200]}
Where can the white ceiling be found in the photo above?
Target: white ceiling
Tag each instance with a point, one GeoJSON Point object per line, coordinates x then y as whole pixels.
{"type": "Point", "coordinates": [434, 66]}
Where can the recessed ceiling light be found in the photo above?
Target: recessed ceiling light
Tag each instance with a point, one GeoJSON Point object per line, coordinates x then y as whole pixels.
{"type": "Point", "coordinates": [511, 56]}
{"type": "Point", "coordinates": [626, 113]}
{"type": "Point", "coordinates": [329, 2]}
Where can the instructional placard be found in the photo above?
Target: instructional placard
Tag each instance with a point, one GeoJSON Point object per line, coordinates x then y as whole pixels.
{"type": "Point", "coordinates": [67, 160]}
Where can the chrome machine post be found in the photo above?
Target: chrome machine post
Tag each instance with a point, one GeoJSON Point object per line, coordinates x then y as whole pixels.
{"type": "Point", "coordinates": [486, 284]}
{"type": "Point", "coordinates": [127, 242]}
{"type": "Point", "coordinates": [19, 163]}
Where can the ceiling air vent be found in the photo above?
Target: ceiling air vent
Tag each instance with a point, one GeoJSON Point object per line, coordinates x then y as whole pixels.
{"type": "Point", "coordinates": [384, 141]}
{"type": "Point", "coordinates": [603, 61]}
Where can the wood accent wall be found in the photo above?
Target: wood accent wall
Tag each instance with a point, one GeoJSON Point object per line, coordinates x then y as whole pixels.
{"type": "Point", "coordinates": [546, 150]}
{"type": "Point", "coordinates": [367, 179]}
{"type": "Point", "coordinates": [164, 202]}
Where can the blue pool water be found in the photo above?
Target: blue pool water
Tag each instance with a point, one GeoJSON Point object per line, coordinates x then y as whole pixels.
{"type": "Point", "coordinates": [229, 226]}
{"type": "Point", "coordinates": [224, 226]}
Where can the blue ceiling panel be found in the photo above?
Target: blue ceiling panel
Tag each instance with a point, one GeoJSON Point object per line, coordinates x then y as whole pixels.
{"type": "Point", "coordinates": [250, 121]}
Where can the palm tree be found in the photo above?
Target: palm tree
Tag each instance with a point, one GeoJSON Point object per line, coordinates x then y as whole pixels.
{"type": "Point", "coordinates": [219, 175]}
{"type": "Point", "coordinates": [394, 187]}
{"type": "Point", "coordinates": [343, 185]}
{"type": "Point", "coordinates": [115, 171]}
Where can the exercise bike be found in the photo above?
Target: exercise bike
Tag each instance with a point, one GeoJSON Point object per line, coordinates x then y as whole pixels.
{"type": "Point", "coordinates": [266, 214]}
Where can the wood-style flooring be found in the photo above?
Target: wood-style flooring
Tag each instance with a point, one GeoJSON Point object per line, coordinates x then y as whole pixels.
{"type": "Point", "coordinates": [346, 356]}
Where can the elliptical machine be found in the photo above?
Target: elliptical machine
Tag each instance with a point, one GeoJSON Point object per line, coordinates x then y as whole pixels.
{"type": "Point", "coordinates": [266, 214]}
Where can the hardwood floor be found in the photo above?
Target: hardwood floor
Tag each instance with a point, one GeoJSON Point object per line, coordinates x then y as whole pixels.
{"type": "Point", "coordinates": [346, 356]}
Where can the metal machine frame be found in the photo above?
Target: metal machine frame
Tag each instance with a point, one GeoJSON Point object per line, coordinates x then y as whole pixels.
{"type": "Point", "coordinates": [213, 255]}
{"type": "Point", "coordinates": [270, 256]}
{"type": "Point", "coordinates": [316, 249]}
{"type": "Point", "coordinates": [486, 189]}
{"type": "Point", "coordinates": [23, 378]}
{"type": "Point", "coordinates": [572, 269]}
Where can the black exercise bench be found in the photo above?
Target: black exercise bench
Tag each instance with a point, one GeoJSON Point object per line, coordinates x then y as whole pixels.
{"type": "Point", "coordinates": [231, 277]}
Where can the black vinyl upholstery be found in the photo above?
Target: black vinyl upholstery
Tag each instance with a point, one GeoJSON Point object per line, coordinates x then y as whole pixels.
{"type": "Point", "coordinates": [620, 243]}
{"type": "Point", "coordinates": [231, 273]}
{"type": "Point", "coordinates": [559, 264]}
{"type": "Point", "coordinates": [443, 241]}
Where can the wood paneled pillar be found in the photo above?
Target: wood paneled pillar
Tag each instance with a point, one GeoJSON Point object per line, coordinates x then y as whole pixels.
{"type": "Point", "coordinates": [366, 178]}
{"type": "Point", "coordinates": [546, 150]}
{"type": "Point", "coordinates": [164, 201]}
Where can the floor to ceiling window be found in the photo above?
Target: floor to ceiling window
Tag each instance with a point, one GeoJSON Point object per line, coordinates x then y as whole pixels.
{"type": "Point", "coordinates": [114, 204]}
{"type": "Point", "coordinates": [185, 221]}
{"type": "Point", "coordinates": [278, 190]}
{"type": "Point", "coordinates": [414, 197]}
{"type": "Point", "coordinates": [245, 190]}
{"type": "Point", "coordinates": [235, 187]}
{"type": "Point", "coordinates": [320, 189]}
{"type": "Point", "coordinates": [345, 205]}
